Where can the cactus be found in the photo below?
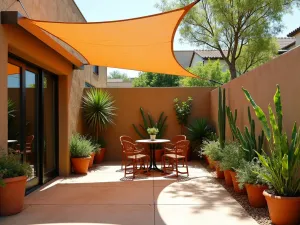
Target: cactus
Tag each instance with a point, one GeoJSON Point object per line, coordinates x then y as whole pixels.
{"type": "Point", "coordinates": [222, 117]}
{"type": "Point", "coordinates": [160, 125]}
{"type": "Point", "coordinates": [246, 139]}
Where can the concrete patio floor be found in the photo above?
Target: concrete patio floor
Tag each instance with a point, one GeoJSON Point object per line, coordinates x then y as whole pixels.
{"type": "Point", "coordinates": [103, 197]}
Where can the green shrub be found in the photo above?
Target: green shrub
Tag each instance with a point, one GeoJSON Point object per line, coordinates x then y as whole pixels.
{"type": "Point", "coordinates": [212, 149]}
{"type": "Point", "coordinates": [232, 156]}
{"type": "Point", "coordinates": [80, 146]}
{"type": "Point", "coordinates": [250, 172]}
{"type": "Point", "coordinates": [11, 167]}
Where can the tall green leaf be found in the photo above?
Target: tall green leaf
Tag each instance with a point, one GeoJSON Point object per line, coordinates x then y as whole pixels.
{"type": "Point", "coordinates": [278, 107]}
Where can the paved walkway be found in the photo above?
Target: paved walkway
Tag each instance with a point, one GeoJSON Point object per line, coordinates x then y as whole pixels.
{"type": "Point", "coordinates": [102, 198]}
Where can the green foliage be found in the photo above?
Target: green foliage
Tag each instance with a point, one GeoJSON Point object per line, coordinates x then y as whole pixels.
{"type": "Point", "coordinates": [283, 164]}
{"type": "Point", "coordinates": [148, 121]}
{"type": "Point", "coordinates": [198, 131]}
{"type": "Point", "coordinates": [11, 111]}
{"type": "Point", "coordinates": [148, 79]}
{"type": "Point", "coordinates": [213, 150]}
{"type": "Point", "coordinates": [243, 27]}
{"type": "Point", "coordinates": [98, 110]}
{"type": "Point", "coordinates": [247, 139]}
{"type": "Point", "coordinates": [152, 131]}
{"type": "Point", "coordinates": [250, 173]}
{"type": "Point", "coordinates": [183, 110]}
{"type": "Point", "coordinates": [212, 70]}
{"type": "Point", "coordinates": [118, 75]}
{"type": "Point", "coordinates": [80, 146]}
{"type": "Point", "coordinates": [222, 117]}
{"type": "Point", "coordinates": [232, 156]}
{"type": "Point", "coordinates": [10, 167]}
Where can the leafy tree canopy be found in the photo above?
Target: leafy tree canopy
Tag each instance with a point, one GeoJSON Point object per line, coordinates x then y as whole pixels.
{"type": "Point", "coordinates": [118, 75]}
{"type": "Point", "coordinates": [212, 70]}
{"type": "Point", "coordinates": [149, 79]}
{"type": "Point", "coordinates": [243, 27]}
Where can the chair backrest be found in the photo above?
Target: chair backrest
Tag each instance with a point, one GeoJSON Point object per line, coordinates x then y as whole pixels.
{"type": "Point", "coordinates": [181, 147]}
{"type": "Point", "coordinates": [128, 147]}
{"type": "Point", "coordinates": [178, 138]}
{"type": "Point", "coordinates": [29, 139]}
{"type": "Point", "coordinates": [126, 138]}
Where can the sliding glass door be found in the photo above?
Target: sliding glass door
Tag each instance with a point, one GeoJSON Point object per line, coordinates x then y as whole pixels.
{"type": "Point", "coordinates": [32, 119]}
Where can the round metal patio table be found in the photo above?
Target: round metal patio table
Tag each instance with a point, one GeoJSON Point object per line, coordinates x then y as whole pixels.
{"type": "Point", "coordinates": [152, 145]}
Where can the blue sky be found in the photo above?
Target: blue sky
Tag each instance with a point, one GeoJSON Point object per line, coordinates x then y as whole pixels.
{"type": "Point", "coordinates": [107, 10]}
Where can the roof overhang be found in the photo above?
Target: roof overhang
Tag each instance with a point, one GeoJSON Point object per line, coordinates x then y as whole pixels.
{"type": "Point", "coordinates": [15, 18]}
{"type": "Point", "coordinates": [144, 44]}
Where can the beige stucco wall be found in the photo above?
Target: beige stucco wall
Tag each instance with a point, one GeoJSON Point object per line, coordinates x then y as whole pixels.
{"type": "Point", "coordinates": [153, 100]}
{"type": "Point", "coordinates": [261, 83]}
{"type": "Point", "coordinates": [297, 36]}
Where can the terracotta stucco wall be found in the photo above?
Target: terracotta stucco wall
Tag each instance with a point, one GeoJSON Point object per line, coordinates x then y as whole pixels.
{"type": "Point", "coordinates": [153, 100]}
{"type": "Point", "coordinates": [261, 83]}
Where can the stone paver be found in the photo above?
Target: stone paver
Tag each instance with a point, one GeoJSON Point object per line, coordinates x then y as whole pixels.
{"type": "Point", "coordinates": [103, 197]}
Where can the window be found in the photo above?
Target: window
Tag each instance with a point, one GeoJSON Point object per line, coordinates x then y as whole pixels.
{"type": "Point", "coordinates": [88, 85]}
{"type": "Point", "coordinates": [96, 70]}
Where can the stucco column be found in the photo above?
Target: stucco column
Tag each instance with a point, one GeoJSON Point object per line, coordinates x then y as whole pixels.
{"type": "Point", "coordinates": [64, 84]}
{"type": "Point", "coordinates": [3, 90]}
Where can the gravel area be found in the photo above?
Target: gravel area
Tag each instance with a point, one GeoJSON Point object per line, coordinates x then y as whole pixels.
{"type": "Point", "coordinates": [261, 215]}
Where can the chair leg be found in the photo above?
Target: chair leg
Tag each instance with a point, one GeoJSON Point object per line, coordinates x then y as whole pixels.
{"type": "Point", "coordinates": [176, 165]}
{"type": "Point", "coordinates": [186, 165]}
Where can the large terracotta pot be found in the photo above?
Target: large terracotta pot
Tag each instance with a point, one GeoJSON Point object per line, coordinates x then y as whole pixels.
{"type": "Point", "coordinates": [228, 179]}
{"type": "Point", "coordinates": [255, 195]}
{"type": "Point", "coordinates": [92, 159]}
{"type": "Point", "coordinates": [236, 183]}
{"type": "Point", "coordinates": [220, 173]}
{"type": "Point", "coordinates": [99, 157]}
{"type": "Point", "coordinates": [81, 165]}
{"type": "Point", "coordinates": [158, 154]}
{"type": "Point", "coordinates": [12, 195]}
{"type": "Point", "coordinates": [283, 210]}
{"type": "Point", "coordinates": [211, 163]}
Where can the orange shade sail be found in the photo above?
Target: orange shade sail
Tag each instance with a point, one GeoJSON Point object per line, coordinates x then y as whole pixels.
{"type": "Point", "coordinates": [12, 69]}
{"type": "Point", "coordinates": [144, 44]}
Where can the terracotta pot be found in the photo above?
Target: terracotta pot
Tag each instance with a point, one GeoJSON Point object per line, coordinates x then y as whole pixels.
{"type": "Point", "coordinates": [255, 195]}
{"type": "Point", "coordinates": [158, 154]}
{"type": "Point", "coordinates": [236, 183]}
{"type": "Point", "coordinates": [206, 159]}
{"type": "Point", "coordinates": [283, 210]}
{"type": "Point", "coordinates": [220, 173]}
{"type": "Point", "coordinates": [228, 179]}
{"type": "Point", "coordinates": [211, 163]}
{"type": "Point", "coordinates": [12, 195]}
{"type": "Point", "coordinates": [92, 159]}
{"type": "Point", "coordinates": [99, 157]}
{"type": "Point", "coordinates": [81, 165]}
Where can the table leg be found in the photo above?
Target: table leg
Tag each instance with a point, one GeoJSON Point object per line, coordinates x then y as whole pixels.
{"type": "Point", "coordinates": [153, 165]}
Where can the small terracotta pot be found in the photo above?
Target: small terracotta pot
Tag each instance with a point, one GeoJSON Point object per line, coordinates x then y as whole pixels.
{"type": "Point", "coordinates": [236, 183]}
{"type": "Point", "coordinates": [220, 173]}
{"type": "Point", "coordinates": [99, 157]}
{"type": "Point", "coordinates": [158, 154]}
{"type": "Point", "coordinates": [283, 210]}
{"type": "Point", "coordinates": [211, 163]}
{"type": "Point", "coordinates": [255, 195]}
{"type": "Point", "coordinates": [228, 179]}
{"type": "Point", "coordinates": [81, 165]}
{"type": "Point", "coordinates": [92, 159]}
{"type": "Point", "coordinates": [12, 195]}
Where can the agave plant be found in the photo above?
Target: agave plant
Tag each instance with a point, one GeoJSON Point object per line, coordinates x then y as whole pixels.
{"type": "Point", "coordinates": [98, 110]}
{"type": "Point", "coordinates": [283, 164]}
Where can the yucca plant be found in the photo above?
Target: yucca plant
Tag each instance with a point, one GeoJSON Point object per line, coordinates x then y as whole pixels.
{"type": "Point", "coordinates": [98, 110]}
{"type": "Point", "coordinates": [283, 164]}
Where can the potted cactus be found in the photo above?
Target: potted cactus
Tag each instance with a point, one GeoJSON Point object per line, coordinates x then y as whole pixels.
{"type": "Point", "coordinates": [13, 176]}
{"type": "Point", "coordinates": [282, 165]}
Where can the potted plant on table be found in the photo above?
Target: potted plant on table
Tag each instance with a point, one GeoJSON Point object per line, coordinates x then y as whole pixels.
{"type": "Point", "coordinates": [232, 158]}
{"type": "Point", "coordinates": [99, 112]}
{"type": "Point", "coordinates": [80, 149]}
{"type": "Point", "coordinates": [282, 165]}
{"type": "Point", "coordinates": [13, 176]}
{"type": "Point", "coordinates": [249, 175]}
{"type": "Point", "coordinates": [152, 131]}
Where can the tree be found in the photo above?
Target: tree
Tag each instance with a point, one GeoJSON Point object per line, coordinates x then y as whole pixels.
{"type": "Point", "coordinates": [149, 79]}
{"type": "Point", "coordinates": [118, 75]}
{"type": "Point", "coordinates": [236, 26]}
{"type": "Point", "coordinates": [212, 70]}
